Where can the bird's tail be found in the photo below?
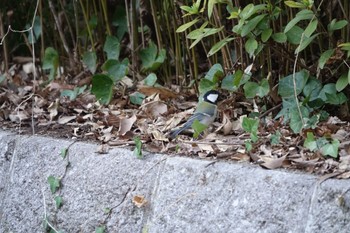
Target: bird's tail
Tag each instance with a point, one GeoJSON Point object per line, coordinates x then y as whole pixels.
{"type": "Point", "coordinates": [174, 133]}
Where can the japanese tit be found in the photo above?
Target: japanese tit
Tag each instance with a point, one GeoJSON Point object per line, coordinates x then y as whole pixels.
{"type": "Point", "coordinates": [205, 112]}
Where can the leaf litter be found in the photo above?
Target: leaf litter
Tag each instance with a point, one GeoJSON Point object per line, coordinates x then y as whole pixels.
{"type": "Point", "coordinates": [161, 111]}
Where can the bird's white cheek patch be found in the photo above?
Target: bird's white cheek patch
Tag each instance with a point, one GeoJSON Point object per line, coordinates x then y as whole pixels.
{"type": "Point", "coordinates": [212, 97]}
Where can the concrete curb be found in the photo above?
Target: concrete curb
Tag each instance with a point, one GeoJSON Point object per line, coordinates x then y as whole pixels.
{"type": "Point", "coordinates": [183, 194]}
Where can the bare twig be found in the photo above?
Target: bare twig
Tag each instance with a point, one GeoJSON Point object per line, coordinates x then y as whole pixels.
{"type": "Point", "coordinates": [236, 142]}
{"type": "Point", "coordinates": [60, 32]}
{"type": "Point", "coordinates": [30, 30]}
{"type": "Point", "coordinates": [45, 213]}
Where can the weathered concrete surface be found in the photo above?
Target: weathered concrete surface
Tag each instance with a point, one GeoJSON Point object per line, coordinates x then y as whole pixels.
{"type": "Point", "coordinates": [184, 195]}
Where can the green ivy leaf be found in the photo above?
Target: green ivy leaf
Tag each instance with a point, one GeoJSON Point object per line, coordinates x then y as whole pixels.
{"type": "Point", "coordinates": [275, 138]}
{"type": "Point", "coordinates": [54, 183]}
{"type": "Point", "coordinates": [90, 60]}
{"type": "Point", "coordinates": [215, 73]}
{"type": "Point", "coordinates": [336, 98]}
{"type": "Point", "coordinates": [50, 62]}
{"type": "Point", "coordinates": [312, 121]}
{"type": "Point", "coordinates": [120, 21]}
{"type": "Point", "coordinates": [137, 98]}
{"type": "Point", "coordinates": [296, 123]}
{"type": "Point", "coordinates": [206, 85]}
{"type": "Point", "coordinates": [102, 88]}
{"type": "Point", "coordinates": [116, 69]}
{"type": "Point", "coordinates": [112, 47]}
{"type": "Point", "coordinates": [327, 91]}
{"type": "Point", "coordinates": [331, 149]}
{"type": "Point", "coordinates": [58, 201]}
{"type": "Point", "coordinates": [198, 128]}
{"type": "Point", "coordinates": [36, 30]}
{"type": "Point", "coordinates": [100, 229]}
{"type": "Point", "coordinates": [150, 80]}
{"type": "Point", "coordinates": [250, 89]}
{"type": "Point", "coordinates": [72, 94]}
{"type": "Point", "coordinates": [250, 125]}
{"type": "Point", "coordinates": [150, 58]}
{"type": "Point", "coordinates": [64, 152]}
{"type": "Point", "coordinates": [138, 148]}
{"type": "Point", "coordinates": [93, 22]}
{"type": "Point", "coordinates": [286, 86]}
{"type": "Point", "coordinates": [248, 145]}
{"type": "Point", "coordinates": [233, 81]}
{"type": "Point", "coordinates": [310, 142]}
{"type": "Point", "coordinates": [312, 89]}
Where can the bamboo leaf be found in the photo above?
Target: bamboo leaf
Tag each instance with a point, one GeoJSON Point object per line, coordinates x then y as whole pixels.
{"type": "Point", "coordinates": [251, 25]}
{"type": "Point", "coordinates": [334, 25]}
{"type": "Point", "coordinates": [211, 4]}
{"type": "Point", "coordinates": [265, 35]}
{"type": "Point", "coordinates": [250, 46]}
{"type": "Point", "coordinates": [305, 43]}
{"type": "Point", "coordinates": [324, 58]}
{"type": "Point", "coordinates": [342, 82]}
{"type": "Point", "coordinates": [216, 47]}
{"type": "Point", "coordinates": [183, 27]}
{"type": "Point", "coordinates": [279, 37]}
{"type": "Point", "coordinates": [294, 4]}
{"type": "Point", "coordinates": [311, 28]}
{"type": "Point", "coordinates": [302, 15]}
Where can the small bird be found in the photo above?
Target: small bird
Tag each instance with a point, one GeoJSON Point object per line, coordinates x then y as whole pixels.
{"type": "Point", "coordinates": [205, 112]}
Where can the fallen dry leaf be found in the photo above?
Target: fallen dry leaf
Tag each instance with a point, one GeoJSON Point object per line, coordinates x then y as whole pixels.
{"type": "Point", "coordinates": [267, 151]}
{"type": "Point", "coordinates": [154, 108]}
{"type": "Point", "coordinates": [240, 157]}
{"type": "Point", "coordinates": [19, 116]}
{"type": "Point", "coordinates": [271, 163]}
{"type": "Point", "coordinates": [237, 125]}
{"type": "Point", "coordinates": [172, 123]}
{"type": "Point", "coordinates": [205, 147]}
{"type": "Point", "coordinates": [52, 109]}
{"type": "Point", "coordinates": [106, 134]}
{"type": "Point", "coordinates": [227, 128]}
{"type": "Point", "coordinates": [345, 175]}
{"type": "Point", "coordinates": [103, 149]}
{"type": "Point", "coordinates": [126, 124]}
{"type": "Point", "coordinates": [162, 91]}
{"type": "Point", "coordinates": [139, 201]}
{"type": "Point", "coordinates": [159, 136]}
{"type": "Point", "coordinates": [66, 119]}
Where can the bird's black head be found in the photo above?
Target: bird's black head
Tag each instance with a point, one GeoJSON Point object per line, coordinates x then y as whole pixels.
{"type": "Point", "coordinates": [211, 96]}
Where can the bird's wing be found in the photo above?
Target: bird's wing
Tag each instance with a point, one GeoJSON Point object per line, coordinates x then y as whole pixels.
{"type": "Point", "coordinates": [197, 116]}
